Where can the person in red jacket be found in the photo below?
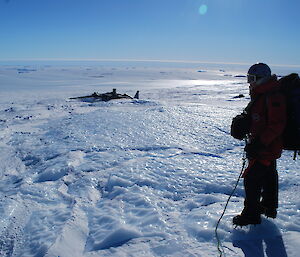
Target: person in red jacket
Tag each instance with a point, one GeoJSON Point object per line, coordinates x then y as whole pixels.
{"type": "Point", "coordinates": [266, 114]}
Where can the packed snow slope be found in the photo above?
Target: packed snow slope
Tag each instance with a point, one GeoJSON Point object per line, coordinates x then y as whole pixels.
{"type": "Point", "coordinates": [147, 177]}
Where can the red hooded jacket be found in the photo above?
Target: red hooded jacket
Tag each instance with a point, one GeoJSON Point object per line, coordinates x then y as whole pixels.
{"type": "Point", "coordinates": [268, 119]}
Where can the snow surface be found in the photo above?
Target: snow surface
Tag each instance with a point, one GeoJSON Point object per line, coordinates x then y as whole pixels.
{"type": "Point", "coordinates": [146, 177]}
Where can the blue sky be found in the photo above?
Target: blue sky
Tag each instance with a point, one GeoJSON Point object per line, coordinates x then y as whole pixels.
{"type": "Point", "coordinates": [239, 31]}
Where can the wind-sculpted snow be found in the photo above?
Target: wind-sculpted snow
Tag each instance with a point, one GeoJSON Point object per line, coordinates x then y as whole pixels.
{"type": "Point", "coordinates": [146, 177]}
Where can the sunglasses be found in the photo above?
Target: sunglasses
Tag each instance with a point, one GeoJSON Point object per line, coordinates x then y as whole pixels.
{"type": "Point", "coordinates": [251, 78]}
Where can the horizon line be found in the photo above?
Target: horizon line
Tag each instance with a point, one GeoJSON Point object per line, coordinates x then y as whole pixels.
{"type": "Point", "coordinates": [138, 60]}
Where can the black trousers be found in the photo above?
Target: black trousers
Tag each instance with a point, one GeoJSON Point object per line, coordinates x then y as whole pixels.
{"type": "Point", "coordinates": [261, 188]}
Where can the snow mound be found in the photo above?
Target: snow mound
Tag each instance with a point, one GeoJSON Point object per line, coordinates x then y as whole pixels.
{"type": "Point", "coordinates": [117, 238]}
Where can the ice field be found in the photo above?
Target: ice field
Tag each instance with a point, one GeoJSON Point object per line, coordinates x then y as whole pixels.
{"type": "Point", "coordinates": [146, 177]}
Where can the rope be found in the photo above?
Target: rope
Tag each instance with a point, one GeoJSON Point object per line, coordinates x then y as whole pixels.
{"type": "Point", "coordinates": [219, 244]}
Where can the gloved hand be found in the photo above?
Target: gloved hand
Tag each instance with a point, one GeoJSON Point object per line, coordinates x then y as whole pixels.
{"type": "Point", "coordinates": [240, 126]}
{"type": "Point", "coordinates": [253, 148]}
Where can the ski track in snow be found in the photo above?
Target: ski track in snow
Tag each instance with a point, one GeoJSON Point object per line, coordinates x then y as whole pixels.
{"type": "Point", "coordinates": [130, 178]}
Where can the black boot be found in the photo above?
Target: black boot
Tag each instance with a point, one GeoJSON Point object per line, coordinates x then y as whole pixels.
{"type": "Point", "coordinates": [244, 220]}
{"type": "Point", "coordinates": [269, 212]}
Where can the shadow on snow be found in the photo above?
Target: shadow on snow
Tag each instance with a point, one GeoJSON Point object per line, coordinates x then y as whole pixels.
{"type": "Point", "coordinates": [259, 241]}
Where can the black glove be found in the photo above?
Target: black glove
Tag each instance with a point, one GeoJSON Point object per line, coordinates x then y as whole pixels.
{"type": "Point", "coordinates": [253, 148]}
{"type": "Point", "coordinates": [240, 126]}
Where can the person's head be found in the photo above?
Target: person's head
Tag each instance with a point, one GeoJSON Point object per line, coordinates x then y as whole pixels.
{"type": "Point", "coordinates": [258, 74]}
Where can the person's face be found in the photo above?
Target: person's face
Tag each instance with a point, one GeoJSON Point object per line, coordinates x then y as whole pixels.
{"type": "Point", "coordinates": [251, 79]}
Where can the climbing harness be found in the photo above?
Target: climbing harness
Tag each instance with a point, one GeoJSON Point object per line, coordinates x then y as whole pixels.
{"type": "Point", "coordinates": [219, 244]}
